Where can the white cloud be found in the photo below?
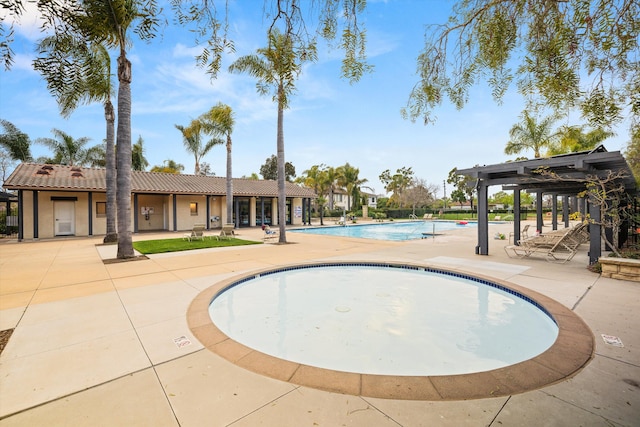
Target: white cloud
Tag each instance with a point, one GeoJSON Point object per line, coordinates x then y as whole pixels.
{"type": "Point", "coordinates": [28, 24]}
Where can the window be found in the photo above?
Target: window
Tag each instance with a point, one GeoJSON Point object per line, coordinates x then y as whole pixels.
{"type": "Point", "coordinates": [101, 209]}
{"type": "Point", "coordinates": [193, 207]}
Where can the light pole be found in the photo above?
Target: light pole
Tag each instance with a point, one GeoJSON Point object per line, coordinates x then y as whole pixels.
{"type": "Point", "coordinates": [444, 185]}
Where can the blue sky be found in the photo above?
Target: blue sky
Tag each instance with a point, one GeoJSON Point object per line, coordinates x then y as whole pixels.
{"type": "Point", "coordinates": [329, 121]}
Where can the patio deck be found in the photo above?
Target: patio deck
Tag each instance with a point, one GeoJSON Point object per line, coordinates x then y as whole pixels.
{"type": "Point", "coordinates": [109, 344]}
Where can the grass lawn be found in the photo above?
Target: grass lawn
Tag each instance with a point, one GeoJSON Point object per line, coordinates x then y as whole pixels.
{"type": "Point", "coordinates": [174, 245]}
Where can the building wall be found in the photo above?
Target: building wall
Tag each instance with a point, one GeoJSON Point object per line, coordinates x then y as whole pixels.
{"type": "Point", "coordinates": [46, 212]}
{"type": "Point", "coordinates": [151, 212]}
{"type": "Point", "coordinates": [186, 218]}
{"type": "Point", "coordinates": [154, 212]}
{"type": "Point", "coordinates": [99, 221]}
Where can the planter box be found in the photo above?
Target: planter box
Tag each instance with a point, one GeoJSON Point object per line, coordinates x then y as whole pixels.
{"type": "Point", "coordinates": [620, 268]}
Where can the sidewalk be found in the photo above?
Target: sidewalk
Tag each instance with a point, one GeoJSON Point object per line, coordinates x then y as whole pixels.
{"type": "Point", "coordinates": [108, 344]}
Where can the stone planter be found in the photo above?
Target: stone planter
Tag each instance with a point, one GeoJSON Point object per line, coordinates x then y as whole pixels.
{"type": "Point", "coordinates": [620, 268]}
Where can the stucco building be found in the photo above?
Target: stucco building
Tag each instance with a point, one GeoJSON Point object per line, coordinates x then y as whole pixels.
{"type": "Point", "coordinates": [58, 200]}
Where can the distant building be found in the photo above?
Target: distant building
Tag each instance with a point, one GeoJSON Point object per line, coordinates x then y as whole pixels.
{"type": "Point", "coordinates": [57, 200]}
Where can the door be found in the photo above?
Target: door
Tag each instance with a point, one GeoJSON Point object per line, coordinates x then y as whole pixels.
{"type": "Point", "coordinates": [243, 207]}
{"type": "Point", "coordinates": [65, 218]}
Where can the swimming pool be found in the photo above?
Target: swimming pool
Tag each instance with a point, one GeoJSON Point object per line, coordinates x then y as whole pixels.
{"type": "Point", "coordinates": [571, 351]}
{"type": "Point", "coordinates": [384, 320]}
{"type": "Point", "coordinates": [395, 231]}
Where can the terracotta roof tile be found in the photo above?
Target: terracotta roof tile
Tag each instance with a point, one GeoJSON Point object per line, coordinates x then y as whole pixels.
{"type": "Point", "coordinates": [32, 176]}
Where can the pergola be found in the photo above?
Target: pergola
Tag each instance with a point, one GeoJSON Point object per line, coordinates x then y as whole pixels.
{"type": "Point", "coordinates": [565, 175]}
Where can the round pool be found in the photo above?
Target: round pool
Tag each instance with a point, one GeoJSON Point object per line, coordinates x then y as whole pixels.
{"type": "Point", "coordinates": [391, 330]}
{"type": "Point", "coordinates": [384, 320]}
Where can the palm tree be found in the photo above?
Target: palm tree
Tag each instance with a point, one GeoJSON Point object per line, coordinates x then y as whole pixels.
{"type": "Point", "coordinates": [219, 121]}
{"type": "Point", "coordinates": [531, 135]}
{"type": "Point", "coordinates": [192, 139]}
{"type": "Point", "coordinates": [331, 175]}
{"type": "Point", "coordinates": [16, 142]}
{"type": "Point", "coordinates": [169, 166]}
{"type": "Point", "coordinates": [276, 67]}
{"type": "Point", "coordinates": [77, 72]}
{"type": "Point", "coordinates": [66, 150]}
{"type": "Point", "coordinates": [573, 139]}
{"type": "Point", "coordinates": [317, 178]}
{"type": "Point", "coordinates": [348, 179]}
{"type": "Point", "coordinates": [138, 161]}
{"type": "Point", "coordinates": [109, 23]}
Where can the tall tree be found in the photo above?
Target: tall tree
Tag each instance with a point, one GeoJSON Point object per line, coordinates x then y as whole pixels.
{"type": "Point", "coordinates": [192, 138]}
{"type": "Point", "coordinates": [419, 194]}
{"type": "Point", "coordinates": [337, 22]}
{"type": "Point", "coordinates": [220, 121]}
{"type": "Point", "coordinates": [66, 149]}
{"type": "Point", "coordinates": [110, 23]}
{"type": "Point", "coordinates": [349, 180]}
{"type": "Point", "coordinates": [397, 183]}
{"type": "Point", "coordinates": [332, 178]}
{"type": "Point", "coordinates": [632, 154]}
{"type": "Point", "coordinates": [78, 71]}
{"type": "Point", "coordinates": [531, 135]}
{"type": "Point", "coordinates": [567, 54]}
{"type": "Point", "coordinates": [463, 184]}
{"type": "Point", "coordinates": [277, 67]}
{"type": "Point", "coordinates": [138, 161]}
{"type": "Point", "coordinates": [269, 170]}
{"type": "Point", "coordinates": [169, 166]}
{"type": "Point", "coordinates": [17, 143]}
{"type": "Point", "coordinates": [572, 139]}
{"type": "Point", "coordinates": [317, 178]}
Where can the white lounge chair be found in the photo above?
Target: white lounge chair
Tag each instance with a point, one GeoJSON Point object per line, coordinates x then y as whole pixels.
{"type": "Point", "coordinates": [524, 234]}
{"type": "Point", "coordinates": [197, 233]}
{"type": "Point", "coordinates": [227, 231]}
{"type": "Point", "coordinates": [555, 247]}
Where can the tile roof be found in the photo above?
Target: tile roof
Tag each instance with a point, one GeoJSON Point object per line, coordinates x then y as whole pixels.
{"type": "Point", "coordinates": [33, 176]}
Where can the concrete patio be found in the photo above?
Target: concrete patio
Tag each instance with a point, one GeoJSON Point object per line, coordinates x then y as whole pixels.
{"type": "Point", "coordinates": [108, 344]}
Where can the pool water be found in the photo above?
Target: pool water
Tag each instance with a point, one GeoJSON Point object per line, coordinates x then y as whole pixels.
{"type": "Point", "coordinates": [383, 320]}
{"type": "Point", "coordinates": [396, 231]}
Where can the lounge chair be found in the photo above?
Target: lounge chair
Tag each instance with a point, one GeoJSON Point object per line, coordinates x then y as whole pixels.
{"type": "Point", "coordinates": [227, 231]}
{"type": "Point", "coordinates": [340, 221]}
{"type": "Point", "coordinates": [524, 234]}
{"type": "Point", "coordinates": [427, 216]}
{"type": "Point", "coordinates": [554, 247]}
{"type": "Point", "coordinates": [197, 233]}
{"type": "Point", "coordinates": [269, 233]}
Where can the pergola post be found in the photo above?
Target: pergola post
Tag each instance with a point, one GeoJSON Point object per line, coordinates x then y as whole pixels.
{"type": "Point", "coordinates": [516, 215]}
{"type": "Point", "coordinates": [595, 240]}
{"type": "Point", "coordinates": [483, 219]}
{"type": "Point", "coordinates": [554, 212]}
{"type": "Point", "coordinates": [539, 220]}
{"type": "Point", "coordinates": [565, 211]}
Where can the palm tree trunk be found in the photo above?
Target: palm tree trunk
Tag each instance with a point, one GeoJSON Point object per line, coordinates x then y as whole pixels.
{"type": "Point", "coordinates": [123, 158]}
{"type": "Point", "coordinates": [282, 196]}
{"type": "Point", "coordinates": [229, 181]}
{"type": "Point", "coordinates": [331, 198]}
{"type": "Point", "coordinates": [109, 115]}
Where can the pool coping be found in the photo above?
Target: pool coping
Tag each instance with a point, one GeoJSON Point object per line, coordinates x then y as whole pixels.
{"type": "Point", "coordinates": [572, 350]}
